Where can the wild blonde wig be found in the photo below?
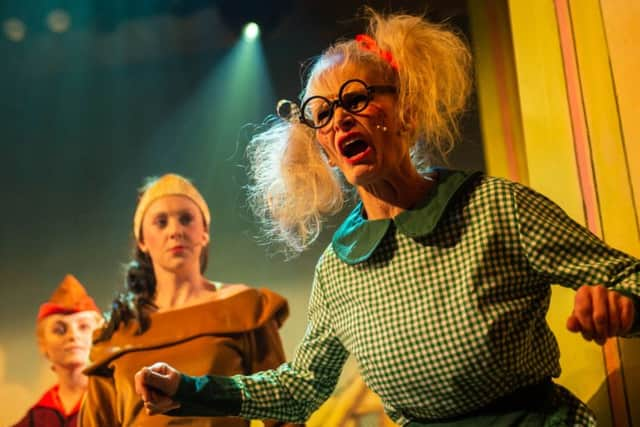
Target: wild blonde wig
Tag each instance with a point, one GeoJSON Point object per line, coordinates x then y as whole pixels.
{"type": "Point", "coordinates": [293, 188]}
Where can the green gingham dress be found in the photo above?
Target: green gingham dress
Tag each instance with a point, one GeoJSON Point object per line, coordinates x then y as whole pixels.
{"type": "Point", "coordinates": [443, 308]}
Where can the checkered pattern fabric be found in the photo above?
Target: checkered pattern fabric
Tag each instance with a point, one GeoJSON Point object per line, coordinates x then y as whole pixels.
{"type": "Point", "coordinates": [447, 322]}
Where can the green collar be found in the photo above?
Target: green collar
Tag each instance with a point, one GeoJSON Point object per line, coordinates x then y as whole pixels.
{"type": "Point", "coordinates": [357, 238]}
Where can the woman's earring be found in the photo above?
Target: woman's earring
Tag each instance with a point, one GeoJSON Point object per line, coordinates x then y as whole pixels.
{"type": "Point", "coordinates": [382, 127]}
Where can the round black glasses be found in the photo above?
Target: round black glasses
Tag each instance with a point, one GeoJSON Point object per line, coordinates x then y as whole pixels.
{"type": "Point", "coordinates": [354, 96]}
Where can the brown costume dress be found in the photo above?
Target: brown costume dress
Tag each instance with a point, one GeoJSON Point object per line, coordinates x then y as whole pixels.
{"type": "Point", "coordinates": [237, 334]}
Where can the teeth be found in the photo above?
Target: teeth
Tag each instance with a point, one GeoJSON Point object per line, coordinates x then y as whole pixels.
{"type": "Point", "coordinates": [346, 144]}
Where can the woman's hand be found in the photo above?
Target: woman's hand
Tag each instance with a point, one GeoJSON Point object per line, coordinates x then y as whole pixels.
{"type": "Point", "coordinates": [156, 385]}
{"type": "Point", "coordinates": [600, 313]}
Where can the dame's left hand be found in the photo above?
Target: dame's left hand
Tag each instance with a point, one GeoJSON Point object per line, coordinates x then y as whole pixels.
{"type": "Point", "coordinates": [600, 313]}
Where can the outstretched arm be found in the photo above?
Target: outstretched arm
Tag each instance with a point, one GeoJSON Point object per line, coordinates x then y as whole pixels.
{"type": "Point", "coordinates": [607, 281]}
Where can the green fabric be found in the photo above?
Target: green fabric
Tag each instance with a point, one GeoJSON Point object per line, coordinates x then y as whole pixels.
{"type": "Point", "coordinates": [210, 396]}
{"type": "Point", "coordinates": [539, 405]}
{"type": "Point", "coordinates": [357, 238]}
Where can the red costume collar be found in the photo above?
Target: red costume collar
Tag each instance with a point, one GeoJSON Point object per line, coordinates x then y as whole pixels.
{"type": "Point", "coordinates": [51, 399]}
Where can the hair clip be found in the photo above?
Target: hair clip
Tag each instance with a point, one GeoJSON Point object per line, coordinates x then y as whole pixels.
{"type": "Point", "coordinates": [367, 43]}
{"type": "Point", "coordinates": [288, 110]}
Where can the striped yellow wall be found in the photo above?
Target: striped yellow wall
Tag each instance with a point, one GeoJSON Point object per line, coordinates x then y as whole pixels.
{"type": "Point", "coordinates": [497, 90]}
{"type": "Point", "coordinates": [621, 22]}
{"type": "Point", "coordinates": [549, 145]}
{"type": "Point", "coordinates": [575, 64]}
{"type": "Point", "coordinates": [621, 19]}
{"type": "Point", "coordinates": [610, 165]}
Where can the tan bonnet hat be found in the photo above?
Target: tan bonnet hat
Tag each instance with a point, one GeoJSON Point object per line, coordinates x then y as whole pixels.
{"type": "Point", "coordinates": [168, 185]}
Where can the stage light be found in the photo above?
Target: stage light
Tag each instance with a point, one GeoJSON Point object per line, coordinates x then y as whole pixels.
{"type": "Point", "coordinates": [251, 31]}
{"type": "Point", "coordinates": [58, 21]}
{"type": "Point", "coordinates": [14, 29]}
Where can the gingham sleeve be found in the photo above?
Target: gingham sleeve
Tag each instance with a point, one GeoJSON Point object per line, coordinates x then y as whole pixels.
{"type": "Point", "coordinates": [568, 254]}
{"type": "Point", "coordinates": [295, 390]}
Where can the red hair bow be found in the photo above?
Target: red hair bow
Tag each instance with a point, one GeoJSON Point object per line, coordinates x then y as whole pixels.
{"type": "Point", "coordinates": [366, 42]}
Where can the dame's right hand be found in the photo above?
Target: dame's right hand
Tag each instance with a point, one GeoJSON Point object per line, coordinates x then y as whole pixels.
{"type": "Point", "coordinates": [156, 385]}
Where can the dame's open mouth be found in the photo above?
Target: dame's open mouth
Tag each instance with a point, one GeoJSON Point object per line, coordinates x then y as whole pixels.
{"type": "Point", "coordinates": [353, 147]}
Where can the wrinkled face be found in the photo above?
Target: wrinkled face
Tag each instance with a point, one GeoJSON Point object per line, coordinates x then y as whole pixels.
{"type": "Point", "coordinates": [173, 233]}
{"type": "Point", "coordinates": [66, 338]}
{"type": "Point", "coordinates": [366, 146]}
